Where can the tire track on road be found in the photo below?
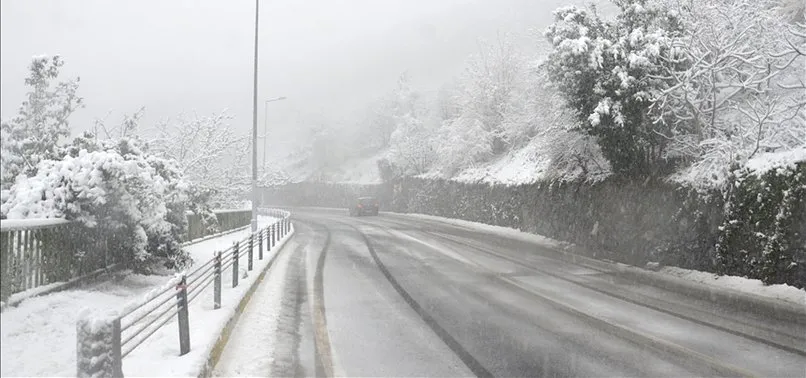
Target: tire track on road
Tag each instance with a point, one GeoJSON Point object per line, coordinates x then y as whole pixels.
{"type": "Point", "coordinates": [474, 365]}
{"type": "Point", "coordinates": [322, 347]}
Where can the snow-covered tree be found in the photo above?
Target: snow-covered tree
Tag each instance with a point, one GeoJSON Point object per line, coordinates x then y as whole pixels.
{"type": "Point", "coordinates": [740, 91]}
{"type": "Point", "coordinates": [411, 145]}
{"type": "Point", "coordinates": [34, 133]}
{"type": "Point", "coordinates": [490, 90]}
{"type": "Point", "coordinates": [611, 71]}
{"type": "Point", "coordinates": [211, 155]}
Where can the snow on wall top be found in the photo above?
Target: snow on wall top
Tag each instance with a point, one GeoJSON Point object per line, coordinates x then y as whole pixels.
{"type": "Point", "coordinates": [773, 160]}
{"type": "Point", "coordinates": [28, 224]}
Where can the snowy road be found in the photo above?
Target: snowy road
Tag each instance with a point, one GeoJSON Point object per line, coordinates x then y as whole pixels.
{"type": "Point", "coordinates": [402, 296]}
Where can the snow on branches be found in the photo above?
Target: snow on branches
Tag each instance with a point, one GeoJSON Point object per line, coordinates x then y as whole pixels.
{"type": "Point", "coordinates": [609, 73]}
{"type": "Point", "coordinates": [133, 197]}
{"type": "Point", "coordinates": [210, 154]}
{"type": "Point", "coordinates": [34, 133]}
{"type": "Point", "coordinates": [742, 91]}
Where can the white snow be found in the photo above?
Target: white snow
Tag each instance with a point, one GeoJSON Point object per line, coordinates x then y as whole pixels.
{"type": "Point", "coordinates": [14, 224]}
{"type": "Point", "coordinates": [206, 324]}
{"type": "Point", "coordinates": [249, 350]}
{"type": "Point", "coordinates": [38, 337]}
{"type": "Point", "coordinates": [746, 285]}
{"type": "Point", "coordinates": [522, 166]}
{"type": "Point", "coordinates": [773, 160]}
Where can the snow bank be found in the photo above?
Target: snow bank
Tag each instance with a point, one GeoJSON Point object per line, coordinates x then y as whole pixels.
{"type": "Point", "coordinates": [746, 285]}
{"type": "Point", "coordinates": [524, 166]}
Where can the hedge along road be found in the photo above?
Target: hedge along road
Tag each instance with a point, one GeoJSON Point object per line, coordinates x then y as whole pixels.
{"type": "Point", "coordinates": [401, 296]}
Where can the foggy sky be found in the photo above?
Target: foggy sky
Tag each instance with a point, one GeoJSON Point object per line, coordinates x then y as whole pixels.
{"type": "Point", "coordinates": [327, 56]}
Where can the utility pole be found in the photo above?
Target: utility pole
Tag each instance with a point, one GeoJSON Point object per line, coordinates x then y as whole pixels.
{"type": "Point", "coordinates": [254, 130]}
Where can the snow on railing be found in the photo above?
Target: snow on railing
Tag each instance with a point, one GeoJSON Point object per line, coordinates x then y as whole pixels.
{"type": "Point", "coordinates": [103, 341]}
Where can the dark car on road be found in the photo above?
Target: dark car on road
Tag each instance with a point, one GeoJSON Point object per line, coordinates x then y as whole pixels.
{"type": "Point", "coordinates": [365, 206]}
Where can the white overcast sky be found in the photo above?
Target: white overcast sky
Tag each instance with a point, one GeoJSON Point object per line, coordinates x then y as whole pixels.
{"type": "Point", "coordinates": [173, 56]}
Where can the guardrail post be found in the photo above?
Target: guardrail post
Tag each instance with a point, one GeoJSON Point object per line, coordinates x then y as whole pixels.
{"type": "Point", "coordinates": [235, 265]}
{"type": "Point", "coordinates": [217, 284]}
{"type": "Point", "coordinates": [98, 347]}
{"type": "Point", "coordinates": [184, 322]}
{"type": "Point", "coordinates": [251, 251]}
{"type": "Point", "coordinates": [260, 244]}
{"type": "Point", "coordinates": [272, 231]}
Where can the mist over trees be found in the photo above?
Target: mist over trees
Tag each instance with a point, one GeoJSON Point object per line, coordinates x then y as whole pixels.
{"type": "Point", "coordinates": [679, 88]}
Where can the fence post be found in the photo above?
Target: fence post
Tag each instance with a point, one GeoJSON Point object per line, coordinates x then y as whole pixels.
{"type": "Point", "coordinates": [235, 265]}
{"type": "Point", "coordinates": [272, 232]}
{"type": "Point", "coordinates": [217, 284]}
{"type": "Point", "coordinates": [98, 347]}
{"type": "Point", "coordinates": [251, 251]}
{"type": "Point", "coordinates": [260, 244]}
{"type": "Point", "coordinates": [184, 322]}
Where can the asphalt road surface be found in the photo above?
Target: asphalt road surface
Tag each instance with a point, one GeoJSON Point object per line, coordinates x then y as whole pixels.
{"type": "Point", "coordinates": [395, 295]}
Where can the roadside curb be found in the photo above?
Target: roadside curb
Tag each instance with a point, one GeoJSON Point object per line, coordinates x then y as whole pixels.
{"type": "Point", "coordinates": [214, 353]}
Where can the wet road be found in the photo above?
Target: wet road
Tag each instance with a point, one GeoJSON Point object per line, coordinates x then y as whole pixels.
{"type": "Point", "coordinates": [400, 296]}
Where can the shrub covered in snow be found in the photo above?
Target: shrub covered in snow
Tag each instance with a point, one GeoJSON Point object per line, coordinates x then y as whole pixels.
{"type": "Point", "coordinates": [136, 200]}
{"type": "Point", "coordinates": [762, 233]}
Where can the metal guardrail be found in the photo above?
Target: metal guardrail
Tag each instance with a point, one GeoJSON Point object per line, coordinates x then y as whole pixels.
{"type": "Point", "coordinates": [103, 342]}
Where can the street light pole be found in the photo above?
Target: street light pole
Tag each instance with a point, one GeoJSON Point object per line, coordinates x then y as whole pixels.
{"type": "Point", "coordinates": [254, 131]}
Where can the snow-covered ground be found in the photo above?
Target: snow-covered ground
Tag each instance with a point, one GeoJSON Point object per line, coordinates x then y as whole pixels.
{"type": "Point", "coordinates": [522, 166]}
{"type": "Point", "coordinates": [249, 350]}
{"type": "Point", "coordinates": [38, 337]}
{"type": "Point", "coordinates": [745, 285]}
{"type": "Point", "coordinates": [206, 324]}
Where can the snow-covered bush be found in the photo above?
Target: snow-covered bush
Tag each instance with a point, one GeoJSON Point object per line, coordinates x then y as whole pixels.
{"type": "Point", "coordinates": [134, 199]}
{"type": "Point", "coordinates": [611, 71]}
{"type": "Point", "coordinates": [34, 134]}
{"type": "Point", "coordinates": [763, 234]}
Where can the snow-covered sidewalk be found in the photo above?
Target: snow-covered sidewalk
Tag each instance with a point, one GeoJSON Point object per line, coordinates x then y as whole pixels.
{"type": "Point", "coordinates": [248, 352]}
{"type": "Point", "coordinates": [38, 337]}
